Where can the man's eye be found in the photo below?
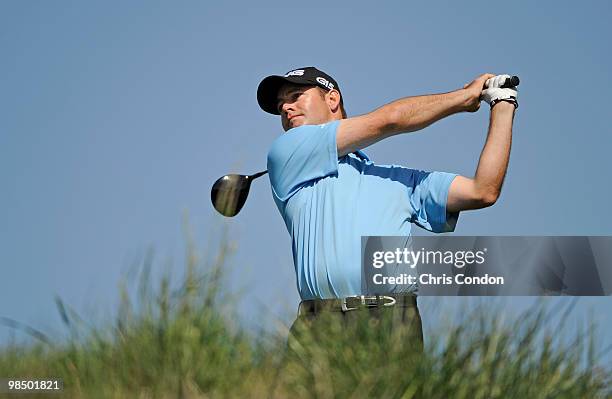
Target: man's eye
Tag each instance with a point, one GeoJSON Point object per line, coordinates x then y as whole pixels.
{"type": "Point", "coordinates": [292, 98]}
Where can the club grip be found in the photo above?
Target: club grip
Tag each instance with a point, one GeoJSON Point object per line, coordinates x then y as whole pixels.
{"type": "Point", "coordinates": [511, 82]}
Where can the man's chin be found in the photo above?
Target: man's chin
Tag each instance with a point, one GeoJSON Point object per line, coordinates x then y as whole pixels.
{"type": "Point", "coordinates": [297, 122]}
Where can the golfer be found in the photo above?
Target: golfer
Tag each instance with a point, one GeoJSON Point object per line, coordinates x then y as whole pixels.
{"type": "Point", "coordinates": [330, 193]}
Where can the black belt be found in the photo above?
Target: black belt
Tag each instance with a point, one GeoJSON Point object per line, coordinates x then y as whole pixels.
{"type": "Point", "coordinates": [356, 302]}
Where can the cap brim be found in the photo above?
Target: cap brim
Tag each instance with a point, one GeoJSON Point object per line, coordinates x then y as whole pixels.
{"type": "Point", "coordinates": [267, 92]}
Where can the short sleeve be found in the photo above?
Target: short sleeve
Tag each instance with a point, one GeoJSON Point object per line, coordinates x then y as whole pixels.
{"type": "Point", "coordinates": [428, 199]}
{"type": "Point", "coordinates": [301, 155]}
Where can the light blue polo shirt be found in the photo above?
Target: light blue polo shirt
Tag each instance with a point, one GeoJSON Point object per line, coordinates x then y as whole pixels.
{"type": "Point", "coordinates": [329, 203]}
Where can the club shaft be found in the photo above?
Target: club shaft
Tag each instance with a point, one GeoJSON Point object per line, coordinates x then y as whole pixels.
{"type": "Point", "coordinates": [256, 175]}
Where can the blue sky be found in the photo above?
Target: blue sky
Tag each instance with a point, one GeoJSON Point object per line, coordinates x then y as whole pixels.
{"type": "Point", "coordinates": [115, 120]}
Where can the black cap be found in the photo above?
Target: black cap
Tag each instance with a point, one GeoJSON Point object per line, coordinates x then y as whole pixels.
{"type": "Point", "coordinates": [267, 91]}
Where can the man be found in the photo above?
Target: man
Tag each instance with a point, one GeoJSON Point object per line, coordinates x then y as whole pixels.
{"type": "Point", "coordinates": [330, 194]}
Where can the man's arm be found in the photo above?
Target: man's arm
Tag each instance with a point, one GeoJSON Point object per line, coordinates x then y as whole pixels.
{"type": "Point", "coordinates": [415, 113]}
{"type": "Point", "coordinates": [406, 115]}
{"type": "Point", "coordinates": [484, 189]}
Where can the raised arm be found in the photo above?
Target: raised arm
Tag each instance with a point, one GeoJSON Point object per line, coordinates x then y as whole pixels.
{"type": "Point", "coordinates": [406, 115]}
{"type": "Point", "coordinates": [484, 189]}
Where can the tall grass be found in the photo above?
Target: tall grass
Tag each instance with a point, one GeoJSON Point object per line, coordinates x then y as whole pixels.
{"type": "Point", "coordinates": [176, 340]}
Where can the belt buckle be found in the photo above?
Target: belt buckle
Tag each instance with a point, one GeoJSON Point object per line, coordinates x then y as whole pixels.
{"type": "Point", "coordinates": [364, 301]}
{"type": "Point", "coordinates": [346, 308]}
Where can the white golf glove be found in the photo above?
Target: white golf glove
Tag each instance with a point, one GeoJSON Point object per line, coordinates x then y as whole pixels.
{"type": "Point", "coordinates": [494, 93]}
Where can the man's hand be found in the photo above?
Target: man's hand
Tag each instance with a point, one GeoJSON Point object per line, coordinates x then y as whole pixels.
{"type": "Point", "coordinates": [494, 92]}
{"type": "Point", "coordinates": [474, 91]}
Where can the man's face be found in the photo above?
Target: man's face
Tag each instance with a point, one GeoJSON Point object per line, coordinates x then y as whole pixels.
{"type": "Point", "coordinates": [302, 105]}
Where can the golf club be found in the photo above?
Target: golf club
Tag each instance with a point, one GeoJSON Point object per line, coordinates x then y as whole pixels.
{"type": "Point", "coordinates": [229, 193]}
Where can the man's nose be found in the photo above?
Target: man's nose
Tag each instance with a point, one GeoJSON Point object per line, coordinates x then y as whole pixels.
{"type": "Point", "coordinates": [286, 106]}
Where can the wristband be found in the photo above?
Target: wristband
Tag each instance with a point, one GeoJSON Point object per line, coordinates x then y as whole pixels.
{"type": "Point", "coordinates": [510, 100]}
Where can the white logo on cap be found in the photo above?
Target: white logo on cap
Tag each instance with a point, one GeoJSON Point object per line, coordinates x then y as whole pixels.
{"type": "Point", "coordinates": [297, 72]}
{"type": "Point", "coordinates": [325, 83]}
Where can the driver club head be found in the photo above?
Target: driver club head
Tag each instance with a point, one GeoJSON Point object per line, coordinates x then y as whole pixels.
{"type": "Point", "coordinates": [229, 193]}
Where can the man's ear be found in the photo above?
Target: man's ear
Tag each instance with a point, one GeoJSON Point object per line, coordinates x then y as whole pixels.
{"type": "Point", "coordinates": [333, 100]}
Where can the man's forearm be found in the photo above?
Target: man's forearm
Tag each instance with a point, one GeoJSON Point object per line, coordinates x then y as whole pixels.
{"type": "Point", "coordinates": [403, 115]}
{"type": "Point", "coordinates": [414, 113]}
{"type": "Point", "coordinates": [493, 162]}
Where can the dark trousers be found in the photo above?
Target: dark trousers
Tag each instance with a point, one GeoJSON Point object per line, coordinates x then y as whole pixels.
{"type": "Point", "coordinates": [330, 350]}
{"type": "Point", "coordinates": [323, 326]}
